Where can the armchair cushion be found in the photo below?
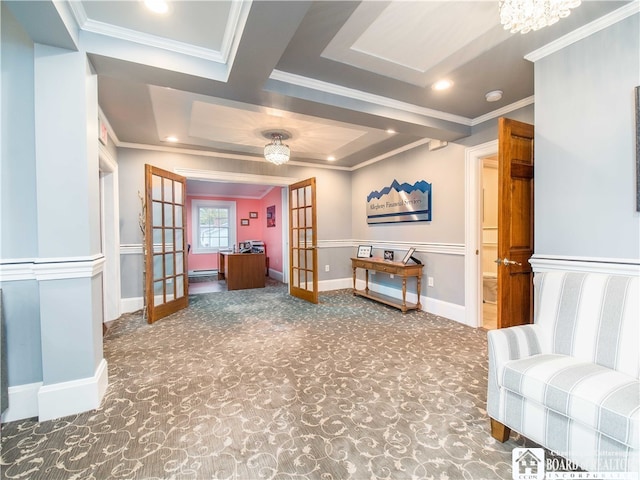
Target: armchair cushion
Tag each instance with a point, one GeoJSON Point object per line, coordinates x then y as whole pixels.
{"type": "Point", "coordinates": [596, 396]}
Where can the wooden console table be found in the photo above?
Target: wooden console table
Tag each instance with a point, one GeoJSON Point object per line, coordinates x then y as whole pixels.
{"type": "Point", "coordinates": [392, 268]}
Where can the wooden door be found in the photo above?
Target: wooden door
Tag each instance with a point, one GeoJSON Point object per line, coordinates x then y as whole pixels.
{"type": "Point", "coordinates": [303, 237]}
{"type": "Point", "coordinates": [166, 279]}
{"type": "Point", "coordinates": [515, 223]}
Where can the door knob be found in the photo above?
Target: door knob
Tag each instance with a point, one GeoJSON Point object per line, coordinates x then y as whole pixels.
{"type": "Point", "coordinates": [506, 262]}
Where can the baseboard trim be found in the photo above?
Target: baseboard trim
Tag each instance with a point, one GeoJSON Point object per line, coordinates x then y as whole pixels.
{"type": "Point", "coordinates": [276, 275]}
{"type": "Point", "coordinates": [68, 398]}
{"type": "Point", "coordinates": [23, 402]}
{"type": "Point", "coordinates": [133, 304]}
{"type": "Point", "coordinates": [335, 284]}
{"type": "Point", "coordinates": [434, 306]}
{"type": "Point", "coordinates": [448, 310]}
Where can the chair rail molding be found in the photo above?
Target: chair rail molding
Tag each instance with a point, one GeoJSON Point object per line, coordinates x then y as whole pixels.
{"type": "Point", "coordinates": [61, 268]}
{"type": "Point", "coordinates": [548, 263]}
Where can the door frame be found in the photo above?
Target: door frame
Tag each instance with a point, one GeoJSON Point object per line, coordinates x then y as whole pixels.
{"type": "Point", "coordinates": [473, 230]}
{"type": "Point", "coordinates": [251, 178]}
{"type": "Point", "coordinates": [110, 233]}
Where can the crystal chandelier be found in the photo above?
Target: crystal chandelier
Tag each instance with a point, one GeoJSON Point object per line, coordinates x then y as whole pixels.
{"type": "Point", "coordinates": [277, 152]}
{"type": "Point", "coordinates": [526, 15]}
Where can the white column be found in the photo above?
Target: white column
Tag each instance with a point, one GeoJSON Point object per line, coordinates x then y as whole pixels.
{"type": "Point", "coordinates": [69, 261]}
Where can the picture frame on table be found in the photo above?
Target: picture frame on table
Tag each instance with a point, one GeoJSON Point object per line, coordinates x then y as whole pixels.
{"type": "Point", "coordinates": [408, 256]}
{"type": "Point", "coordinates": [388, 255]}
{"type": "Point", "coordinates": [364, 251]}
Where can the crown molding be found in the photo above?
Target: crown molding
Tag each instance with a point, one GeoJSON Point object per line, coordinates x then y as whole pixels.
{"type": "Point", "coordinates": [585, 31]}
{"type": "Point", "coordinates": [233, 31]}
{"type": "Point", "coordinates": [386, 155]}
{"type": "Point", "coordinates": [232, 156]}
{"type": "Point", "coordinates": [79, 13]}
{"type": "Point", "coordinates": [126, 34]}
{"type": "Point", "coordinates": [331, 88]}
{"type": "Point", "coordinates": [503, 111]}
{"type": "Point", "coordinates": [231, 177]}
{"type": "Point", "coordinates": [236, 22]}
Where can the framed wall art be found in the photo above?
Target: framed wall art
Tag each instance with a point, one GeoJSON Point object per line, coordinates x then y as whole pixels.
{"type": "Point", "coordinates": [271, 216]}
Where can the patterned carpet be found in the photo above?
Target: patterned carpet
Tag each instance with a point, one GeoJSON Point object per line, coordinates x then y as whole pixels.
{"type": "Point", "coordinates": [255, 384]}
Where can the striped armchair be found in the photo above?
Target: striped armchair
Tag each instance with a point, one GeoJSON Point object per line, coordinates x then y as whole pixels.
{"type": "Point", "coordinates": [570, 381]}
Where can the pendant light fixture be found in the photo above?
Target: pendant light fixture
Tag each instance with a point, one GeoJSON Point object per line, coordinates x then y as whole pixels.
{"type": "Point", "coordinates": [277, 152]}
{"type": "Point", "coordinates": [526, 15]}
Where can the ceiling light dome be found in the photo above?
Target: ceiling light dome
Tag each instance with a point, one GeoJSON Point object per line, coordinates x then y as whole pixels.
{"type": "Point", "coordinates": [493, 95]}
{"type": "Point", "coordinates": [277, 152]}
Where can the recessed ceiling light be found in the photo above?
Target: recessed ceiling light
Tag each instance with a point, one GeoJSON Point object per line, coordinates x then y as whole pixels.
{"type": "Point", "coordinates": [390, 130]}
{"type": "Point", "coordinates": [493, 96]}
{"type": "Point", "coordinates": [442, 84]}
{"type": "Point", "coordinates": [171, 139]}
{"type": "Point", "coordinates": [331, 158]}
{"type": "Point", "coordinates": [157, 6]}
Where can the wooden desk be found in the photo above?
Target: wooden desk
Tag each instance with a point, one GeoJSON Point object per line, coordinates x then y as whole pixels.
{"type": "Point", "coordinates": [392, 268]}
{"type": "Point", "coordinates": [242, 270]}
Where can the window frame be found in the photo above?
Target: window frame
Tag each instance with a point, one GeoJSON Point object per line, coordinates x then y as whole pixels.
{"type": "Point", "coordinates": [196, 205]}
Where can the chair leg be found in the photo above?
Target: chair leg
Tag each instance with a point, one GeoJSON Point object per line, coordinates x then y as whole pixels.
{"type": "Point", "coordinates": [499, 431]}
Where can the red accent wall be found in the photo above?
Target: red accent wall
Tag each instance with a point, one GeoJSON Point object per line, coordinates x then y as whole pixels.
{"type": "Point", "coordinates": [256, 230]}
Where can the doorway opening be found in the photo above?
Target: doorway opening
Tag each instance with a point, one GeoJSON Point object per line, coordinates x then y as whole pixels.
{"type": "Point", "coordinates": [228, 218]}
{"type": "Point", "coordinates": [489, 239]}
{"type": "Point", "coordinates": [475, 258]}
{"type": "Point", "coordinates": [251, 211]}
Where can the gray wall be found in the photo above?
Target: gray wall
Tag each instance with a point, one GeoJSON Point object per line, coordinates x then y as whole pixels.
{"type": "Point", "coordinates": [585, 144]}
{"type": "Point", "coordinates": [18, 194]}
{"type": "Point", "coordinates": [444, 169]}
{"type": "Point", "coordinates": [18, 201]}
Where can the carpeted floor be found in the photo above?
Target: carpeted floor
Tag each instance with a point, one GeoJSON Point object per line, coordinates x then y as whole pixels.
{"type": "Point", "coordinates": [255, 384]}
{"type": "Point", "coordinates": [203, 278]}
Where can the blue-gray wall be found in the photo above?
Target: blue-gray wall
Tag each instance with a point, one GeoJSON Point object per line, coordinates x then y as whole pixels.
{"type": "Point", "coordinates": [585, 146]}
{"type": "Point", "coordinates": [18, 223]}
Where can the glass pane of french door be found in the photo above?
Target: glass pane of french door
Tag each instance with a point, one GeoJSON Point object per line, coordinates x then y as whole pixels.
{"type": "Point", "coordinates": [166, 281]}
